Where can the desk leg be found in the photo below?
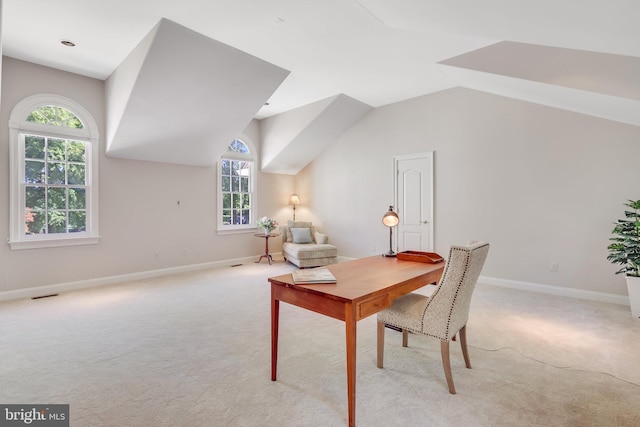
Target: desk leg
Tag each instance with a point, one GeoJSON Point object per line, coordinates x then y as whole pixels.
{"type": "Point", "coordinates": [275, 314]}
{"type": "Point", "coordinates": [350, 322]}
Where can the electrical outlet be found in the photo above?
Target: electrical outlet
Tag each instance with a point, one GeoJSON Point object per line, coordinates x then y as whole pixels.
{"type": "Point", "coordinates": [554, 266]}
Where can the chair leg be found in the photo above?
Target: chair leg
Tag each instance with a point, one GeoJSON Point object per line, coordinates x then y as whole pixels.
{"type": "Point", "coordinates": [405, 338]}
{"type": "Point", "coordinates": [463, 344]}
{"type": "Point", "coordinates": [380, 356]}
{"type": "Point", "coordinates": [446, 364]}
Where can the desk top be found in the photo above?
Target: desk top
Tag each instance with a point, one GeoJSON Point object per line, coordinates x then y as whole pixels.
{"type": "Point", "coordinates": [365, 277]}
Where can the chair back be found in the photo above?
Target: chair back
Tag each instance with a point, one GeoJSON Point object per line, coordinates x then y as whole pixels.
{"type": "Point", "coordinates": [447, 309]}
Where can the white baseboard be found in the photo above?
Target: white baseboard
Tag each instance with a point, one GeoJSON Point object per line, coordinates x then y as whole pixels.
{"type": "Point", "coordinates": [39, 291]}
{"type": "Point", "coordinates": [556, 290]}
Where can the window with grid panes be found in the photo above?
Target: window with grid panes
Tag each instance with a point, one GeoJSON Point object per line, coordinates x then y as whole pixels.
{"type": "Point", "coordinates": [54, 185]}
{"type": "Point", "coordinates": [53, 191]}
{"type": "Point", "coordinates": [236, 189]}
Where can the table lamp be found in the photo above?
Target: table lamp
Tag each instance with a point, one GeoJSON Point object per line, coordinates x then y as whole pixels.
{"type": "Point", "coordinates": [294, 200]}
{"type": "Point", "coordinates": [390, 219]}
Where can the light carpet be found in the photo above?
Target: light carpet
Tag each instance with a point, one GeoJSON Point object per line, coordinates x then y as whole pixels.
{"type": "Point", "coordinates": [194, 350]}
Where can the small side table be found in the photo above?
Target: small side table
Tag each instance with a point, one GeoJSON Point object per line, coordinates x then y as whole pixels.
{"type": "Point", "coordinates": [266, 246]}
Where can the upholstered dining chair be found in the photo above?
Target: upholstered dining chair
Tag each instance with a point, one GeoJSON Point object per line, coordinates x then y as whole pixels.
{"type": "Point", "coordinates": [443, 314]}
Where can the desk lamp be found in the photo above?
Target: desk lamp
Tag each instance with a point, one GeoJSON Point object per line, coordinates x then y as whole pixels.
{"type": "Point", "coordinates": [390, 219]}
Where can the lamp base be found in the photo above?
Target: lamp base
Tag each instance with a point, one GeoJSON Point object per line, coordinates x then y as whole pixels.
{"type": "Point", "coordinates": [389, 254]}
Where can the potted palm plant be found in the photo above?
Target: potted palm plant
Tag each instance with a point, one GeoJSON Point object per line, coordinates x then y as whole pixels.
{"type": "Point", "coordinates": [625, 251]}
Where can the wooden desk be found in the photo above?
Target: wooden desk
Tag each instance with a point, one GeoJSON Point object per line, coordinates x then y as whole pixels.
{"type": "Point", "coordinates": [365, 286]}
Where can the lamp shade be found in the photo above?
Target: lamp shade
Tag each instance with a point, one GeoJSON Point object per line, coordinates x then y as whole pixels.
{"type": "Point", "coordinates": [390, 219]}
{"type": "Point", "coordinates": [294, 200]}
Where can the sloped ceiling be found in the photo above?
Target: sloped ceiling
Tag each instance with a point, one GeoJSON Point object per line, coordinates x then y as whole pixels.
{"type": "Point", "coordinates": [169, 103]}
{"type": "Point", "coordinates": [598, 84]}
{"type": "Point", "coordinates": [293, 139]}
{"type": "Point", "coordinates": [578, 55]}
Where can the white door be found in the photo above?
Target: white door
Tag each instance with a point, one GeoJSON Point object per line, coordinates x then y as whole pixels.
{"type": "Point", "coordinates": [414, 201]}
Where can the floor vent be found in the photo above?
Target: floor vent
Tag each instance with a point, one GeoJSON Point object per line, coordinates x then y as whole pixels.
{"type": "Point", "coordinates": [45, 296]}
{"type": "Point", "coordinates": [236, 265]}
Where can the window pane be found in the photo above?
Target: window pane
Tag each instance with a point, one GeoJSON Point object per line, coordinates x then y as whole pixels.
{"type": "Point", "coordinates": [245, 216]}
{"type": "Point", "coordinates": [226, 168]}
{"type": "Point", "coordinates": [226, 216]}
{"type": "Point", "coordinates": [34, 222]}
{"type": "Point", "coordinates": [37, 117]}
{"type": "Point", "coordinates": [57, 198]}
{"type": "Point", "coordinates": [244, 184]}
{"type": "Point", "coordinates": [77, 221]}
{"type": "Point", "coordinates": [238, 146]}
{"type": "Point", "coordinates": [33, 172]}
{"type": "Point", "coordinates": [243, 169]}
{"type": "Point", "coordinates": [47, 113]}
{"type": "Point", "coordinates": [76, 174]}
{"type": "Point", "coordinates": [237, 216]}
{"type": "Point", "coordinates": [55, 173]}
{"type": "Point", "coordinates": [57, 222]}
{"type": "Point", "coordinates": [56, 149]}
{"type": "Point", "coordinates": [246, 201]}
{"type": "Point", "coordinates": [34, 198]}
{"type": "Point", "coordinates": [226, 201]}
{"type": "Point", "coordinates": [77, 198]}
{"type": "Point", "coordinates": [55, 116]}
{"type": "Point", "coordinates": [237, 201]}
{"type": "Point", "coordinates": [33, 147]}
{"type": "Point", "coordinates": [68, 119]}
{"type": "Point", "coordinates": [235, 184]}
{"type": "Point", "coordinates": [76, 151]}
{"type": "Point", "coordinates": [226, 183]}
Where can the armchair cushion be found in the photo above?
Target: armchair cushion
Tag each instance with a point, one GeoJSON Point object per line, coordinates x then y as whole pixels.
{"type": "Point", "coordinates": [321, 239]}
{"type": "Point", "coordinates": [301, 235]}
{"type": "Point", "coordinates": [310, 251]}
{"type": "Point", "coordinates": [406, 312]}
{"type": "Point", "coordinates": [296, 224]}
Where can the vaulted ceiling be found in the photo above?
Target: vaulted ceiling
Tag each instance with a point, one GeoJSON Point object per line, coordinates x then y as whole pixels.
{"type": "Point", "coordinates": [337, 58]}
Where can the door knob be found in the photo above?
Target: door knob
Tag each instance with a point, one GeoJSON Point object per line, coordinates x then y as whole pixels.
{"type": "Point", "coordinates": [425, 222]}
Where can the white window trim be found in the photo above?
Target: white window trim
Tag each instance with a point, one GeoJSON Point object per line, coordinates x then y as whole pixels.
{"type": "Point", "coordinates": [253, 182]}
{"type": "Point", "coordinates": [18, 125]}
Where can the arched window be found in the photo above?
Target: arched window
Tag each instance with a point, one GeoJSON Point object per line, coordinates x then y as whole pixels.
{"type": "Point", "coordinates": [236, 187]}
{"type": "Point", "coordinates": [54, 173]}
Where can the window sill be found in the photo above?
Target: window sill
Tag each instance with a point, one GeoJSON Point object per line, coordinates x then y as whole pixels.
{"type": "Point", "coordinates": [222, 232]}
{"type": "Point", "coordinates": [53, 243]}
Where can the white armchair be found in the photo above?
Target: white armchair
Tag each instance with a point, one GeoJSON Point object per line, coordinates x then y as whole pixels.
{"type": "Point", "coordinates": [304, 246]}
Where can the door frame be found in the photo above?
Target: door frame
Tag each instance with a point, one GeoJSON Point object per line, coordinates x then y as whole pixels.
{"type": "Point", "coordinates": [429, 155]}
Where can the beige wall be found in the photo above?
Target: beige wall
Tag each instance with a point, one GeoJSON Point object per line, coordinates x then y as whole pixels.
{"type": "Point", "coordinates": [542, 185]}
{"type": "Point", "coordinates": [139, 214]}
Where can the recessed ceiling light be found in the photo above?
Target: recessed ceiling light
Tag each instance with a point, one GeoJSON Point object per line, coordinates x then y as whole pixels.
{"type": "Point", "coordinates": [67, 43]}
